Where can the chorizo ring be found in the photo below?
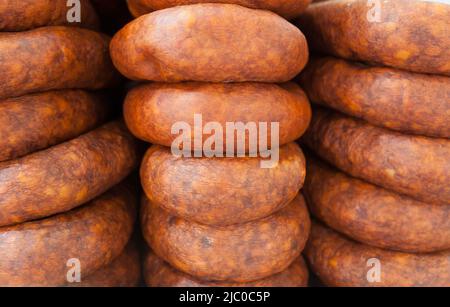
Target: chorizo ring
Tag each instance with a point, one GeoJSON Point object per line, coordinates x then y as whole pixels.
{"type": "Point", "coordinates": [151, 110]}
{"type": "Point", "coordinates": [237, 253]}
{"type": "Point", "coordinates": [210, 42]}
{"type": "Point", "coordinates": [406, 34]}
{"type": "Point", "coordinates": [412, 165]}
{"type": "Point", "coordinates": [160, 274]}
{"type": "Point", "coordinates": [67, 175]}
{"type": "Point", "coordinates": [221, 191]}
{"type": "Point", "coordinates": [286, 8]}
{"type": "Point", "coordinates": [338, 261]}
{"type": "Point", "coordinates": [386, 97]}
{"type": "Point", "coordinates": [54, 58]}
{"type": "Point", "coordinates": [37, 253]}
{"type": "Point", "coordinates": [37, 121]}
{"type": "Point", "coordinates": [28, 14]}
{"type": "Point", "coordinates": [373, 215]}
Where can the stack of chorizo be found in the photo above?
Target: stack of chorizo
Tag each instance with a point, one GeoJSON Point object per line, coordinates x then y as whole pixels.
{"type": "Point", "coordinates": [36, 253]}
{"type": "Point", "coordinates": [63, 158]}
{"type": "Point", "coordinates": [218, 220]}
{"type": "Point", "coordinates": [378, 173]}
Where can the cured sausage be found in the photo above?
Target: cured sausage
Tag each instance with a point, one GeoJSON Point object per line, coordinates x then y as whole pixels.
{"type": "Point", "coordinates": [38, 253]}
{"type": "Point", "coordinates": [28, 14]}
{"type": "Point", "coordinates": [33, 122]}
{"type": "Point", "coordinates": [338, 261]}
{"type": "Point", "coordinates": [151, 110]}
{"type": "Point", "coordinates": [237, 253]}
{"type": "Point", "coordinates": [286, 8]}
{"type": "Point", "coordinates": [54, 58]}
{"type": "Point", "coordinates": [406, 34]}
{"type": "Point", "coordinates": [160, 274]}
{"type": "Point", "coordinates": [411, 165]}
{"type": "Point", "coordinates": [124, 271]}
{"type": "Point", "coordinates": [210, 42]}
{"type": "Point", "coordinates": [221, 191]}
{"type": "Point", "coordinates": [67, 175]}
{"type": "Point", "coordinates": [386, 97]}
{"type": "Point", "coordinates": [373, 215]}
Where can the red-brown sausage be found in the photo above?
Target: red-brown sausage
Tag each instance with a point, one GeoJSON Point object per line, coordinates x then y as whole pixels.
{"type": "Point", "coordinates": [210, 42]}
{"type": "Point", "coordinates": [411, 165]}
{"type": "Point", "coordinates": [221, 191]}
{"type": "Point", "coordinates": [159, 273]}
{"type": "Point", "coordinates": [37, 253]}
{"type": "Point", "coordinates": [286, 8]}
{"type": "Point", "coordinates": [373, 215]}
{"type": "Point", "coordinates": [33, 122]}
{"type": "Point", "coordinates": [237, 253]}
{"type": "Point", "coordinates": [386, 97]}
{"type": "Point", "coordinates": [124, 271]}
{"type": "Point", "coordinates": [151, 110]}
{"type": "Point", "coordinates": [54, 58]}
{"type": "Point", "coordinates": [338, 261]}
{"type": "Point", "coordinates": [21, 15]}
{"type": "Point", "coordinates": [67, 175]}
{"type": "Point", "coordinates": [407, 34]}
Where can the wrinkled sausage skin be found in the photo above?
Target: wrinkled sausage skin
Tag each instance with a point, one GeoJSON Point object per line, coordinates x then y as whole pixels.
{"type": "Point", "coordinates": [66, 175]}
{"type": "Point", "coordinates": [36, 253]}
{"type": "Point", "coordinates": [124, 271]}
{"type": "Point", "coordinates": [37, 121]}
{"type": "Point", "coordinates": [386, 97]}
{"type": "Point", "coordinates": [210, 42]}
{"type": "Point", "coordinates": [21, 15]}
{"type": "Point", "coordinates": [406, 34]}
{"type": "Point", "coordinates": [54, 58]}
{"type": "Point", "coordinates": [412, 165]}
{"type": "Point", "coordinates": [159, 273]}
{"type": "Point", "coordinates": [221, 191]}
{"type": "Point", "coordinates": [151, 110]}
{"type": "Point", "coordinates": [237, 253]}
{"type": "Point", "coordinates": [373, 215]}
{"type": "Point", "coordinates": [286, 8]}
{"type": "Point", "coordinates": [338, 261]}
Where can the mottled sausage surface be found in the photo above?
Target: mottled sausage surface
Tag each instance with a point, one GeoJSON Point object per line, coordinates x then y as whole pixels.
{"type": "Point", "coordinates": [407, 34]}
{"type": "Point", "coordinates": [54, 58]}
{"type": "Point", "coordinates": [159, 273]}
{"type": "Point", "coordinates": [66, 175]}
{"type": "Point", "coordinates": [373, 215]}
{"type": "Point", "coordinates": [124, 271]}
{"type": "Point", "coordinates": [37, 121]}
{"type": "Point", "coordinates": [151, 110]}
{"type": "Point", "coordinates": [210, 42]}
{"type": "Point", "coordinates": [412, 165]}
{"type": "Point", "coordinates": [21, 15]}
{"type": "Point", "coordinates": [237, 253]}
{"type": "Point", "coordinates": [387, 97]}
{"type": "Point", "coordinates": [338, 261]}
{"type": "Point", "coordinates": [37, 253]}
{"type": "Point", "coordinates": [221, 191]}
{"type": "Point", "coordinates": [286, 8]}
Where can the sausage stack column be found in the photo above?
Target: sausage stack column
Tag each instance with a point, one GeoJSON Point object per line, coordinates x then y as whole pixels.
{"type": "Point", "coordinates": [214, 215]}
{"type": "Point", "coordinates": [388, 190]}
{"type": "Point", "coordinates": [57, 153]}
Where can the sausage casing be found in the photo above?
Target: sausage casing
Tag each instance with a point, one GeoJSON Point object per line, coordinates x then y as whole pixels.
{"type": "Point", "coordinates": [412, 165]}
{"type": "Point", "coordinates": [67, 175]}
{"type": "Point", "coordinates": [210, 42]}
{"type": "Point", "coordinates": [221, 191]}
{"type": "Point", "coordinates": [54, 58]}
{"type": "Point", "coordinates": [37, 121]}
{"type": "Point", "coordinates": [237, 253]}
